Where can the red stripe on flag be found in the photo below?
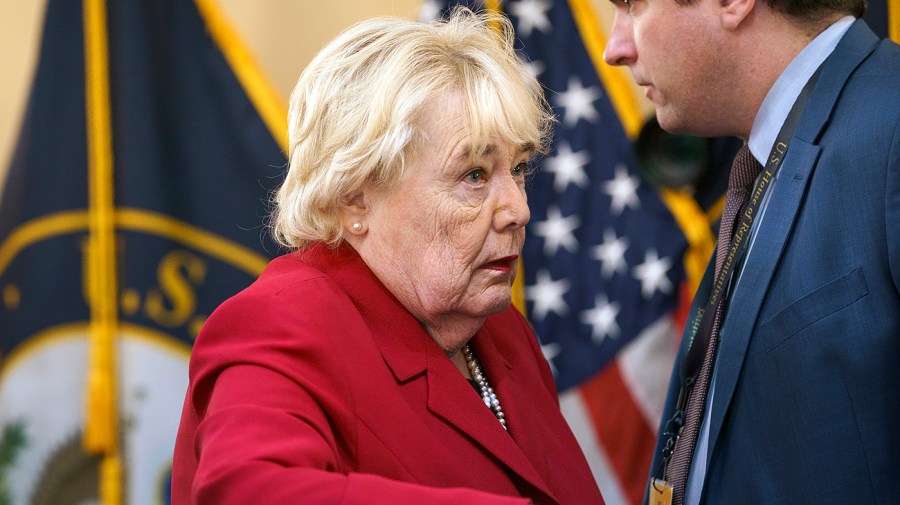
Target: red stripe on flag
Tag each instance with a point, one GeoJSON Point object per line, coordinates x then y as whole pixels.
{"type": "Point", "coordinates": [621, 429]}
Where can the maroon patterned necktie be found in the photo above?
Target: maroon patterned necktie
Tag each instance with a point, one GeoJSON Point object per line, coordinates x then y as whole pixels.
{"type": "Point", "coordinates": [744, 171]}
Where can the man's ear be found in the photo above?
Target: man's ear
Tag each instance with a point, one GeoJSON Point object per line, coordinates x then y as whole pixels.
{"type": "Point", "coordinates": [735, 12]}
{"type": "Point", "coordinates": [354, 208]}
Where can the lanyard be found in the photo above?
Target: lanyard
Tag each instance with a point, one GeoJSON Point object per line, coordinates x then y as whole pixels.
{"type": "Point", "coordinates": [705, 317]}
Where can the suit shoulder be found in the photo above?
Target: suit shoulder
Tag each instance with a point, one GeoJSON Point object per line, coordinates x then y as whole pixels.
{"type": "Point", "coordinates": [878, 76]}
{"type": "Point", "coordinates": [867, 114]}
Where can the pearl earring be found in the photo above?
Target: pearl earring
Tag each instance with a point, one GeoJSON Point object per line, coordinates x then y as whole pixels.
{"type": "Point", "coordinates": [357, 226]}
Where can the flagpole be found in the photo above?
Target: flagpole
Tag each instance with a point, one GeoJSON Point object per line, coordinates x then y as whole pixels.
{"type": "Point", "coordinates": [101, 414]}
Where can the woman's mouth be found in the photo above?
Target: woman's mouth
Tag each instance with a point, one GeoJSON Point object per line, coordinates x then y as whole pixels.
{"type": "Point", "coordinates": [504, 264]}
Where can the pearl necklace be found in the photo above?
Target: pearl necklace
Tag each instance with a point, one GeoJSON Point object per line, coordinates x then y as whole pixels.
{"type": "Point", "coordinates": [487, 392]}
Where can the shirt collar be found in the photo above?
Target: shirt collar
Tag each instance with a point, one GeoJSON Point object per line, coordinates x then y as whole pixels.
{"type": "Point", "coordinates": [781, 97]}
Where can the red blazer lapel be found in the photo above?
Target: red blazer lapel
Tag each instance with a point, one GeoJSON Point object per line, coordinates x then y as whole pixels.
{"type": "Point", "coordinates": [452, 398]}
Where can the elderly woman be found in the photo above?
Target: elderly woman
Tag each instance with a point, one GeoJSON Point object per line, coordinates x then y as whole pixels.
{"type": "Point", "coordinates": [381, 360]}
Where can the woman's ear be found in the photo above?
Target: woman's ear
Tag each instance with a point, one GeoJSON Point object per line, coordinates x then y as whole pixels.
{"type": "Point", "coordinates": [735, 12]}
{"type": "Point", "coordinates": [354, 209]}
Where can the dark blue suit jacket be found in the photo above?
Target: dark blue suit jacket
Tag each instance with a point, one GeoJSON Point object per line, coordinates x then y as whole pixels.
{"type": "Point", "coordinates": [807, 394]}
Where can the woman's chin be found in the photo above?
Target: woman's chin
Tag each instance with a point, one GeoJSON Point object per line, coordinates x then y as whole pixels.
{"type": "Point", "coordinates": [496, 299]}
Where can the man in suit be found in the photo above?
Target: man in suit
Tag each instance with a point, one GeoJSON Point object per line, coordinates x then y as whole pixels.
{"type": "Point", "coordinates": [793, 381]}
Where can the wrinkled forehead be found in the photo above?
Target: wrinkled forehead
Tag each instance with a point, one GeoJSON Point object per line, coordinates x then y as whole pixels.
{"type": "Point", "coordinates": [476, 123]}
{"type": "Point", "coordinates": [494, 114]}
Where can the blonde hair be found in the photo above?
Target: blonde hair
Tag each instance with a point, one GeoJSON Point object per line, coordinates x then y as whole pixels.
{"type": "Point", "coordinates": [353, 113]}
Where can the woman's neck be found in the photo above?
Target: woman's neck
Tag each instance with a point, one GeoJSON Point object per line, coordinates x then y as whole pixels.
{"type": "Point", "coordinates": [451, 333]}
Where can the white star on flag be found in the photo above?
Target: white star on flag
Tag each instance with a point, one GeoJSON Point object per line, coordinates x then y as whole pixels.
{"type": "Point", "coordinates": [547, 296]}
{"type": "Point", "coordinates": [558, 231]}
{"type": "Point", "coordinates": [568, 167]}
{"type": "Point", "coordinates": [535, 68]}
{"type": "Point", "coordinates": [623, 190]}
{"type": "Point", "coordinates": [531, 14]}
{"type": "Point", "coordinates": [602, 319]}
{"type": "Point", "coordinates": [578, 102]}
{"type": "Point", "coordinates": [430, 10]}
{"type": "Point", "coordinates": [611, 254]}
{"type": "Point", "coordinates": [652, 274]}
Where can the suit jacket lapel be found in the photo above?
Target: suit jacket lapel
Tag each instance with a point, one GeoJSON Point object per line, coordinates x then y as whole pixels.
{"type": "Point", "coordinates": [756, 276]}
{"type": "Point", "coordinates": [781, 212]}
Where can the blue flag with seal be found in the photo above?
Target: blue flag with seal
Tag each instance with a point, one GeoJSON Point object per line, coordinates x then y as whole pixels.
{"type": "Point", "coordinates": [133, 206]}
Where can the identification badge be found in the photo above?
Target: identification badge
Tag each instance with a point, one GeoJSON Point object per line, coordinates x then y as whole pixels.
{"type": "Point", "coordinates": [660, 492]}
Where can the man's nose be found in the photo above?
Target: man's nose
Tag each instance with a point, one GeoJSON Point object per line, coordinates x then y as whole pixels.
{"type": "Point", "coordinates": [620, 49]}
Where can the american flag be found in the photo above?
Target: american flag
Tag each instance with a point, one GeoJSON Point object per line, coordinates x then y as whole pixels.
{"type": "Point", "coordinates": [603, 256]}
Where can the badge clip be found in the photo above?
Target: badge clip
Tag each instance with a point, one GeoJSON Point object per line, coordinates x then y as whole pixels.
{"type": "Point", "coordinates": [660, 492]}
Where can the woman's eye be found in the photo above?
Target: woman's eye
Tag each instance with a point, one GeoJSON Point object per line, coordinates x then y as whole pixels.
{"type": "Point", "coordinates": [520, 169]}
{"type": "Point", "coordinates": [475, 176]}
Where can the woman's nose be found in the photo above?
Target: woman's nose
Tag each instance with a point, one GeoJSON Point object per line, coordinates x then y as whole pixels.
{"type": "Point", "coordinates": [512, 208]}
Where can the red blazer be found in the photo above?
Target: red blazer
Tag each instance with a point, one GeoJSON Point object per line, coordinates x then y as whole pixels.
{"type": "Point", "coordinates": [314, 385]}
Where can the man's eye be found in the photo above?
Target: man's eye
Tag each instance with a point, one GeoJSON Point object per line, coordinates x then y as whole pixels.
{"type": "Point", "coordinates": [630, 5]}
{"type": "Point", "coordinates": [520, 169]}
